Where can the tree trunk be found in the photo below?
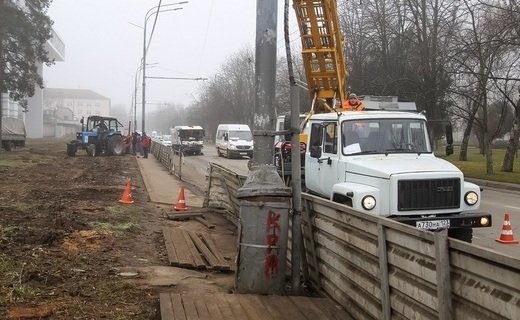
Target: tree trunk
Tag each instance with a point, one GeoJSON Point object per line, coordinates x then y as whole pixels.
{"type": "Point", "coordinates": [512, 147]}
{"type": "Point", "coordinates": [463, 155]}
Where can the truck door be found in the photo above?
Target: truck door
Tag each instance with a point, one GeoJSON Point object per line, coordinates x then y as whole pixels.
{"type": "Point", "coordinates": [320, 174]}
{"type": "Point", "coordinates": [328, 167]}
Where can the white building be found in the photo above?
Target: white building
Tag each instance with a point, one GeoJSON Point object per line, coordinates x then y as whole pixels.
{"type": "Point", "coordinates": [81, 102]}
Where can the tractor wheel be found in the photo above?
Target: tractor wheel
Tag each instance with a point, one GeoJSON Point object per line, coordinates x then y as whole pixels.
{"type": "Point", "coordinates": [92, 150]}
{"type": "Point", "coordinates": [116, 146]}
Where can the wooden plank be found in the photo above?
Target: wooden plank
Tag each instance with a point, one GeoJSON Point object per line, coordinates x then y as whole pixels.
{"type": "Point", "coordinates": [189, 307]}
{"type": "Point", "coordinates": [307, 215]}
{"type": "Point", "coordinates": [283, 307]}
{"type": "Point", "coordinates": [401, 258]}
{"type": "Point", "coordinates": [224, 307]}
{"type": "Point", "coordinates": [223, 263]}
{"type": "Point", "coordinates": [170, 249]}
{"type": "Point", "coordinates": [308, 308]}
{"type": "Point", "coordinates": [213, 307]}
{"type": "Point", "coordinates": [355, 256]}
{"type": "Point", "coordinates": [486, 254]}
{"type": "Point", "coordinates": [331, 309]}
{"type": "Point", "coordinates": [268, 308]}
{"type": "Point", "coordinates": [202, 309]}
{"type": "Point", "coordinates": [238, 311]}
{"type": "Point", "coordinates": [210, 258]}
{"type": "Point", "coordinates": [386, 309]}
{"type": "Point", "coordinates": [484, 266]}
{"type": "Point", "coordinates": [195, 254]}
{"type": "Point", "coordinates": [204, 222]}
{"type": "Point", "coordinates": [344, 270]}
{"type": "Point", "coordinates": [178, 309]}
{"type": "Point", "coordinates": [166, 306]}
{"type": "Point", "coordinates": [444, 307]}
{"type": "Point", "coordinates": [342, 288]}
{"type": "Point", "coordinates": [254, 311]}
{"type": "Point", "coordinates": [185, 258]}
{"type": "Point", "coordinates": [411, 242]}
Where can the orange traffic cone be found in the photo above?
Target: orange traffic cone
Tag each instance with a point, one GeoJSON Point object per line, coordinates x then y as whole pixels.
{"type": "Point", "coordinates": [507, 232]}
{"type": "Point", "coordinates": [126, 197]}
{"type": "Point", "coordinates": [181, 203]}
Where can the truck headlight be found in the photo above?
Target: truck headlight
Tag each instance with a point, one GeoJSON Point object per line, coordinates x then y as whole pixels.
{"type": "Point", "coordinates": [368, 202]}
{"type": "Point", "coordinates": [471, 198]}
{"type": "Point", "coordinates": [484, 221]}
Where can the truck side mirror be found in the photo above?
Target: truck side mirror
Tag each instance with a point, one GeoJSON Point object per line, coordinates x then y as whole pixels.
{"type": "Point", "coordinates": [315, 151]}
{"type": "Point", "coordinates": [287, 126]}
{"type": "Point", "coordinates": [225, 136]}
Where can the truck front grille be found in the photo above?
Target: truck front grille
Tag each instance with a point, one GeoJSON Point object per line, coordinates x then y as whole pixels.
{"type": "Point", "coordinates": [428, 194]}
{"type": "Point", "coordinates": [243, 147]}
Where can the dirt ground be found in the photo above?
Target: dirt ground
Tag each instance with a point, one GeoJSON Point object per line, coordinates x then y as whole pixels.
{"type": "Point", "coordinates": [69, 250]}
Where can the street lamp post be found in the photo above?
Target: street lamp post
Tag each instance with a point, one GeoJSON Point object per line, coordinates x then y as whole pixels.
{"type": "Point", "coordinates": [149, 14]}
{"type": "Point", "coordinates": [135, 96]}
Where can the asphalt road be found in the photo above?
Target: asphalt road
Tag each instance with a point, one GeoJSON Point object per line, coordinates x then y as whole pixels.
{"type": "Point", "coordinates": [496, 200]}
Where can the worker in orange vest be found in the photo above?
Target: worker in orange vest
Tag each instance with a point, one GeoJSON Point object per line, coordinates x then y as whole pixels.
{"type": "Point", "coordinates": [353, 103]}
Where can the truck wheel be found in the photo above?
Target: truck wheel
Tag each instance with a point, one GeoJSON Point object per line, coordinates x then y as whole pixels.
{"type": "Point", "coordinates": [461, 234]}
{"type": "Point", "coordinates": [116, 145]}
{"type": "Point", "coordinates": [228, 154]}
{"type": "Point", "coordinates": [92, 150]}
{"type": "Point", "coordinates": [8, 145]}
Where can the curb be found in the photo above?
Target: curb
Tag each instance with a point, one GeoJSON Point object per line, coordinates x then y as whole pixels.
{"type": "Point", "coordinates": [495, 184]}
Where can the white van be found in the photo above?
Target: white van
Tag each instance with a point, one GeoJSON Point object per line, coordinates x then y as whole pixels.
{"type": "Point", "coordinates": [234, 140]}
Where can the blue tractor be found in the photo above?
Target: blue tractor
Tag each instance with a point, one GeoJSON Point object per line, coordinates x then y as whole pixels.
{"type": "Point", "coordinates": [100, 136]}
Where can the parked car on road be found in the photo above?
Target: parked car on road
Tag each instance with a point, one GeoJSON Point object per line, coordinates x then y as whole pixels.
{"type": "Point", "coordinates": [167, 140]}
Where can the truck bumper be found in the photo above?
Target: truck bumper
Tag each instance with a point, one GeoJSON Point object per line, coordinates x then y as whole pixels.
{"type": "Point", "coordinates": [462, 221]}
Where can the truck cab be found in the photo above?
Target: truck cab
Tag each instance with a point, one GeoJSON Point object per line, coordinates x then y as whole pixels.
{"type": "Point", "coordinates": [187, 139]}
{"type": "Point", "coordinates": [382, 163]}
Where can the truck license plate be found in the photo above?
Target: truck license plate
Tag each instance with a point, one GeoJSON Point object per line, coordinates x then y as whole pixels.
{"type": "Point", "coordinates": [433, 224]}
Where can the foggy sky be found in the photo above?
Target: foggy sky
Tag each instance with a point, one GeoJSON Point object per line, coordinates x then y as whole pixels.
{"type": "Point", "coordinates": [104, 50]}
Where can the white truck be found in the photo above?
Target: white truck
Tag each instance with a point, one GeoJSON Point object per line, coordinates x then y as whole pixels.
{"type": "Point", "coordinates": [13, 133]}
{"type": "Point", "coordinates": [187, 139]}
{"type": "Point", "coordinates": [381, 162]}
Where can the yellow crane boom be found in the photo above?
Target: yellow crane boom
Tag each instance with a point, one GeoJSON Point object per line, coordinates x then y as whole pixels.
{"type": "Point", "coordinates": [322, 52]}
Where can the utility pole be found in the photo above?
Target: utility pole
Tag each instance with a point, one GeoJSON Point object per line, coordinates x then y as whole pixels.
{"type": "Point", "coordinates": [264, 199]}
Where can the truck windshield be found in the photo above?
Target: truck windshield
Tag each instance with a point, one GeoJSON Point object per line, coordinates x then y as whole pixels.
{"type": "Point", "coordinates": [240, 135]}
{"type": "Point", "coordinates": [384, 136]}
{"type": "Point", "coordinates": [192, 135]}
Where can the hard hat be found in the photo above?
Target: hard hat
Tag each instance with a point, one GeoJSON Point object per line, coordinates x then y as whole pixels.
{"type": "Point", "coordinates": [352, 96]}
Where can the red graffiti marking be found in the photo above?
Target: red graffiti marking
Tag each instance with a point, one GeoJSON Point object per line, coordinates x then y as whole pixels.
{"type": "Point", "coordinates": [273, 229]}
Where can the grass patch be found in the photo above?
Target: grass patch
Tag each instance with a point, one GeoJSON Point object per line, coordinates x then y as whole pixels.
{"type": "Point", "coordinates": [11, 162]}
{"type": "Point", "coordinates": [475, 167]}
{"type": "Point", "coordinates": [12, 204]}
{"type": "Point", "coordinates": [121, 209]}
{"type": "Point", "coordinates": [116, 228]}
{"type": "Point", "coordinates": [11, 287]}
{"type": "Point", "coordinates": [7, 231]}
